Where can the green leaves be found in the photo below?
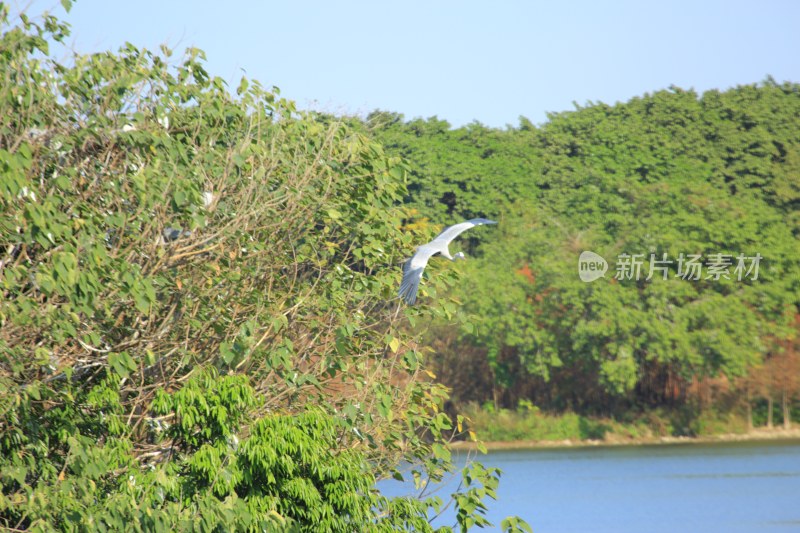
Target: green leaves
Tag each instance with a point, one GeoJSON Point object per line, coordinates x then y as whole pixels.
{"type": "Point", "coordinates": [122, 363]}
{"type": "Point", "coordinates": [514, 524]}
{"type": "Point", "coordinates": [479, 483]}
{"type": "Point", "coordinates": [670, 173]}
{"type": "Point", "coordinates": [198, 325]}
{"type": "Point", "coordinates": [292, 459]}
{"type": "Point", "coordinates": [140, 289]}
{"type": "Point", "coordinates": [208, 409]}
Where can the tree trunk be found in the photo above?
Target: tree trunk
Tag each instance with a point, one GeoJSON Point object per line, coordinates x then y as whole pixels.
{"type": "Point", "coordinates": [749, 411]}
{"type": "Point", "coordinates": [787, 414]}
{"type": "Point", "coordinates": [769, 411]}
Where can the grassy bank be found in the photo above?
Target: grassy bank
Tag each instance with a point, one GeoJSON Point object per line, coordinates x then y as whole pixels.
{"type": "Point", "coordinates": [528, 426]}
{"type": "Point", "coordinates": [755, 435]}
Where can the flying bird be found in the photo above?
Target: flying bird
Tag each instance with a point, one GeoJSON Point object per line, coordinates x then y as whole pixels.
{"type": "Point", "coordinates": [412, 269]}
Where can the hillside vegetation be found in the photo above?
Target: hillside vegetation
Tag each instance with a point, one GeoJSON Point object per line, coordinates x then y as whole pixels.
{"type": "Point", "coordinates": [666, 180]}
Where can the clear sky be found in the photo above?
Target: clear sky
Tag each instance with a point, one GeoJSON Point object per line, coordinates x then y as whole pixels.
{"type": "Point", "coordinates": [460, 60]}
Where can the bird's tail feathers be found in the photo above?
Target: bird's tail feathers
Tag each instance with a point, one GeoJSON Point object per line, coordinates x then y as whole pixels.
{"type": "Point", "coordinates": [408, 291]}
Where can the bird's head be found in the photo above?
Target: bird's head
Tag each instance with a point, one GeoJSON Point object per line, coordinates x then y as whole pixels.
{"type": "Point", "coordinates": [459, 255]}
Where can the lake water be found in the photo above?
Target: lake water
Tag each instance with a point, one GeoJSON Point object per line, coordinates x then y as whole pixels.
{"type": "Point", "coordinates": [730, 488]}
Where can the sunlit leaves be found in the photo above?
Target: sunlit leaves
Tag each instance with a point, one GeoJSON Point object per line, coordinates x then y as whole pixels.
{"type": "Point", "coordinates": [199, 321]}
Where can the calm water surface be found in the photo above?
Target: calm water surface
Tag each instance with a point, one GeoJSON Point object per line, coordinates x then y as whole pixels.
{"type": "Point", "coordinates": [731, 488]}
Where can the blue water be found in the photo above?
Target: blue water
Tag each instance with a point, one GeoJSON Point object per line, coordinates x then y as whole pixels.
{"type": "Point", "coordinates": [726, 488]}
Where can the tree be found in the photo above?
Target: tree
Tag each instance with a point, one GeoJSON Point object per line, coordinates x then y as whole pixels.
{"type": "Point", "coordinates": [670, 176]}
{"type": "Point", "coordinates": [197, 329]}
{"type": "Point", "coordinates": [785, 366]}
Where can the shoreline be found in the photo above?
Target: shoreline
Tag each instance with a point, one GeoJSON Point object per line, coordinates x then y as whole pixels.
{"type": "Point", "coordinates": [775, 434]}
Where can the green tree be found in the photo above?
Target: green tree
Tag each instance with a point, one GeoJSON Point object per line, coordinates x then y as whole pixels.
{"type": "Point", "coordinates": [197, 325]}
{"type": "Point", "coordinates": [670, 173]}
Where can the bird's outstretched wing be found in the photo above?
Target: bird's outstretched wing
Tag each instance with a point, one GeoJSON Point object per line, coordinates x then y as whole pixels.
{"type": "Point", "coordinates": [450, 233]}
{"type": "Point", "coordinates": [413, 268]}
{"type": "Point", "coordinates": [412, 272]}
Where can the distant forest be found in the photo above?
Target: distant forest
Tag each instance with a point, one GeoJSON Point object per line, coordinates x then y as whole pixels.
{"type": "Point", "coordinates": [668, 179]}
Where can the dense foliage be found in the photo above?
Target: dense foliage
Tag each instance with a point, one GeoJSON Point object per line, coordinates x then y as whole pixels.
{"type": "Point", "coordinates": [667, 179]}
{"type": "Point", "coordinates": [198, 327]}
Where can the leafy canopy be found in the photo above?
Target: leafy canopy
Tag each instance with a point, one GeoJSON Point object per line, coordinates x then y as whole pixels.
{"type": "Point", "coordinates": [197, 325]}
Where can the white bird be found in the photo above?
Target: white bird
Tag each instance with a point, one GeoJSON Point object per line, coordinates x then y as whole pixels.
{"type": "Point", "coordinates": [412, 269]}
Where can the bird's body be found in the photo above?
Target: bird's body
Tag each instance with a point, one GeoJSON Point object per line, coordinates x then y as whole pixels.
{"type": "Point", "coordinates": [413, 268]}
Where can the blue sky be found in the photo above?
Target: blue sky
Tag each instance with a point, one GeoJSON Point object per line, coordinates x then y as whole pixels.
{"type": "Point", "coordinates": [460, 60]}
